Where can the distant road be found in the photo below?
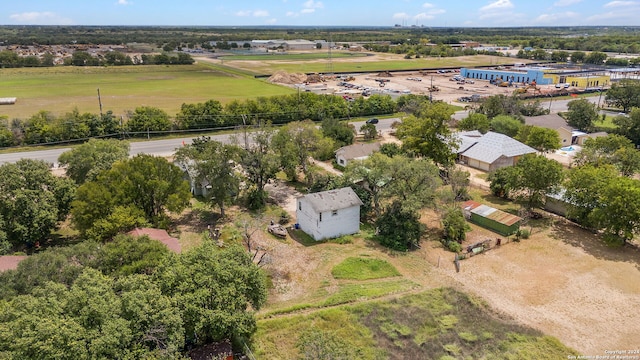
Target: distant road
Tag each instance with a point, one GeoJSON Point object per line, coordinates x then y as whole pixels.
{"type": "Point", "coordinates": [165, 147]}
{"type": "Point", "coordinates": [555, 106]}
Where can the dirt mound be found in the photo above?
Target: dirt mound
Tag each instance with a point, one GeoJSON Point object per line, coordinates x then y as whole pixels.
{"type": "Point", "coordinates": [385, 74]}
{"type": "Point", "coordinates": [283, 77]}
{"type": "Point", "coordinates": [314, 78]}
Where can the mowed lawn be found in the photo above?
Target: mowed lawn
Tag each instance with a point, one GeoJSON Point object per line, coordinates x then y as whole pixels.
{"type": "Point", "coordinates": [61, 89]}
{"type": "Point", "coordinates": [369, 63]}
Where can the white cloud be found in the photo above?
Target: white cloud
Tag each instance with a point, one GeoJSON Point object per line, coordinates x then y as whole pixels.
{"type": "Point", "coordinates": [400, 16]}
{"type": "Point", "coordinates": [124, 2]}
{"type": "Point", "coordinates": [561, 3]}
{"type": "Point", "coordinates": [291, 14]}
{"type": "Point", "coordinates": [307, 11]}
{"type": "Point", "coordinates": [428, 5]}
{"type": "Point", "coordinates": [436, 11]}
{"type": "Point", "coordinates": [424, 16]}
{"type": "Point", "coordinates": [497, 5]}
{"type": "Point", "coordinates": [620, 3]}
{"type": "Point", "coordinates": [311, 4]}
{"type": "Point", "coordinates": [254, 13]}
{"type": "Point", "coordinates": [272, 21]}
{"type": "Point", "coordinates": [40, 18]}
{"type": "Point", "coordinates": [556, 17]}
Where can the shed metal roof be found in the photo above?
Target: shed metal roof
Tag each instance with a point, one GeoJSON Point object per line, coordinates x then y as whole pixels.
{"type": "Point", "coordinates": [491, 213]}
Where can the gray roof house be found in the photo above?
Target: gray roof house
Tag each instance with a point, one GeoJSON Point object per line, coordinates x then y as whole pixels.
{"type": "Point", "coordinates": [355, 152]}
{"type": "Point", "coordinates": [490, 151]}
{"type": "Point", "coordinates": [329, 214]}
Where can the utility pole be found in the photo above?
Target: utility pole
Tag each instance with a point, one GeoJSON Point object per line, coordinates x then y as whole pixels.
{"type": "Point", "coordinates": [100, 103]}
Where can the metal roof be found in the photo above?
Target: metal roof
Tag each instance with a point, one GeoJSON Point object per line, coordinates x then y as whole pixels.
{"type": "Point", "coordinates": [333, 200]}
{"type": "Point", "coordinates": [491, 213]}
{"type": "Point", "coordinates": [491, 146]}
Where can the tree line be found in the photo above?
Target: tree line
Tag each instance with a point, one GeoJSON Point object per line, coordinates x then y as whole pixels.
{"type": "Point", "coordinates": [10, 59]}
{"type": "Point", "coordinates": [44, 127]}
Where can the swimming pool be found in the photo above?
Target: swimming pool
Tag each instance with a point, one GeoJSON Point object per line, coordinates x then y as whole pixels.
{"type": "Point", "coordinates": [567, 148]}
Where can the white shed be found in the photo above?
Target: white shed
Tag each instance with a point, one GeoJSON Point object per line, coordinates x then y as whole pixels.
{"type": "Point", "coordinates": [329, 214]}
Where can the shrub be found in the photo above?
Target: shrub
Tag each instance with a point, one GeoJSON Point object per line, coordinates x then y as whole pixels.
{"type": "Point", "coordinates": [454, 246]}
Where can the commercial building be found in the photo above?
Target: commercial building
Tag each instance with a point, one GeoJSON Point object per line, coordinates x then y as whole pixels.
{"type": "Point", "coordinates": [542, 75]}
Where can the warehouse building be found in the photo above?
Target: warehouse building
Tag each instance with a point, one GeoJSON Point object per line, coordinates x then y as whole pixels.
{"type": "Point", "coordinates": [582, 78]}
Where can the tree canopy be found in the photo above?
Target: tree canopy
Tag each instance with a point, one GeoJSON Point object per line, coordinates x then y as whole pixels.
{"type": "Point", "coordinates": [581, 114]}
{"type": "Point", "coordinates": [135, 190]}
{"type": "Point", "coordinates": [86, 161]}
{"type": "Point", "coordinates": [32, 201]}
{"type": "Point", "coordinates": [429, 135]}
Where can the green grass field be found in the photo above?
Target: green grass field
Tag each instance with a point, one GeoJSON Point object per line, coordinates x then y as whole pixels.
{"type": "Point", "coordinates": [293, 56]}
{"type": "Point", "coordinates": [61, 89]}
{"type": "Point", "coordinates": [270, 67]}
{"type": "Point", "coordinates": [436, 324]}
{"type": "Point", "coordinates": [363, 269]}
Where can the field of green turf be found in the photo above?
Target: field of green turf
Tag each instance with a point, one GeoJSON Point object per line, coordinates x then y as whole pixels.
{"type": "Point", "coordinates": [61, 89]}
{"type": "Point", "coordinates": [270, 66]}
{"type": "Point", "coordinates": [294, 56]}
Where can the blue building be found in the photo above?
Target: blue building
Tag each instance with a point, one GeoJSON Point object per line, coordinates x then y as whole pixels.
{"type": "Point", "coordinates": [514, 75]}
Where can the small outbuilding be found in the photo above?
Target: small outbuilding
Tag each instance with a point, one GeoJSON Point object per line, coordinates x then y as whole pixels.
{"type": "Point", "coordinates": [355, 152]}
{"type": "Point", "coordinates": [329, 214]}
{"type": "Point", "coordinates": [490, 218]}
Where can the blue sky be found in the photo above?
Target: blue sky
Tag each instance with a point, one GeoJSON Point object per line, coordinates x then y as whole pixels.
{"type": "Point", "coordinates": [322, 12]}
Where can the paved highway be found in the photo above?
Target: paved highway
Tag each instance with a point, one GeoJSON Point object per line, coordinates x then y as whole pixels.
{"type": "Point", "coordinates": [152, 147]}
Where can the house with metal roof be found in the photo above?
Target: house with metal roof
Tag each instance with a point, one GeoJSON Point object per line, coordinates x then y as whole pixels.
{"type": "Point", "coordinates": [329, 214]}
{"type": "Point", "coordinates": [355, 152]}
{"type": "Point", "coordinates": [490, 151]}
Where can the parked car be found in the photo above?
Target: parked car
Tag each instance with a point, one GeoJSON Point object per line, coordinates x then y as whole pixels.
{"type": "Point", "coordinates": [373, 121]}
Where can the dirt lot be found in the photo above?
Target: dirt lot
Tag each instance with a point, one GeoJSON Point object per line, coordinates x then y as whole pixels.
{"type": "Point", "coordinates": [562, 280]}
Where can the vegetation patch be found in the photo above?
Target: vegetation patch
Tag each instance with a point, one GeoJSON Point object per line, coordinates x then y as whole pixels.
{"type": "Point", "coordinates": [444, 323]}
{"type": "Point", "coordinates": [363, 269]}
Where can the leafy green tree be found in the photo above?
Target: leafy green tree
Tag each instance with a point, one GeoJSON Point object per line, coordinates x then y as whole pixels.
{"type": "Point", "coordinates": [296, 143]}
{"type": "Point", "coordinates": [32, 201]}
{"type": "Point", "coordinates": [475, 121]}
{"type": "Point", "coordinates": [147, 118]}
{"type": "Point", "coordinates": [144, 184]}
{"type": "Point", "coordinates": [583, 186]}
{"type": "Point", "coordinates": [412, 181]}
{"type": "Point", "coordinates": [503, 181]}
{"type": "Point", "coordinates": [595, 57]}
{"type": "Point", "coordinates": [539, 138]}
{"type": "Point", "coordinates": [125, 255]}
{"type": "Point", "coordinates": [629, 126]}
{"type": "Point", "coordinates": [536, 177]}
{"type": "Point", "coordinates": [369, 130]}
{"type": "Point", "coordinates": [429, 136]}
{"type": "Point", "coordinates": [260, 163]}
{"type": "Point", "coordinates": [618, 213]}
{"type": "Point", "coordinates": [342, 133]}
{"type": "Point", "coordinates": [201, 115]}
{"type": "Point", "coordinates": [399, 228]}
{"type": "Point", "coordinates": [391, 149]}
{"type": "Point", "coordinates": [581, 114]}
{"type": "Point", "coordinates": [214, 163]}
{"type": "Point", "coordinates": [215, 290]}
{"type": "Point", "coordinates": [613, 150]}
{"type": "Point", "coordinates": [500, 105]}
{"type": "Point", "coordinates": [454, 225]}
{"type": "Point", "coordinates": [506, 125]}
{"type": "Point", "coordinates": [624, 94]}
{"type": "Point", "coordinates": [578, 56]}
{"type": "Point", "coordinates": [86, 161]}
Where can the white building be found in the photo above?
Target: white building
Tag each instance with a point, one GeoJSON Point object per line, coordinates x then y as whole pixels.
{"type": "Point", "coordinates": [355, 152]}
{"type": "Point", "coordinates": [329, 214]}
